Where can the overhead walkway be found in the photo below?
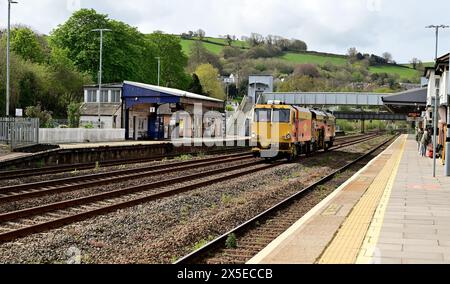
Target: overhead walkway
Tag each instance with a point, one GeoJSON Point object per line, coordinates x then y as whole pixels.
{"type": "Point", "coordinates": [326, 99]}
{"type": "Point", "coordinates": [370, 116]}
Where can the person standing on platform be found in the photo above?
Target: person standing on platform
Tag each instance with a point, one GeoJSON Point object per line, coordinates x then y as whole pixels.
{"type": "Point", "coordinates": [419, 137]}
{"type": "Point", "coordinates": [424, 144]}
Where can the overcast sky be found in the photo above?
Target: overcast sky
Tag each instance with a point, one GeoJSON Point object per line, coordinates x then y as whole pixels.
{"type": "Point", "coordinates": [373, 26]}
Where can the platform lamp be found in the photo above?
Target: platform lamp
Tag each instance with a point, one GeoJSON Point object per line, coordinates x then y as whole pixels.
{"type": "Point", "coordinates": [8, 47]}
{"type": "Point", "coordinates": [100, 73]}
{"type": "Point", "coordinates": [436, 105]}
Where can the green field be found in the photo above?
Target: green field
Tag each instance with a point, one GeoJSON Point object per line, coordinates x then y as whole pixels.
{"type": "Point", "coordinates": [215, 45]}
{"type": "Point", "coordinates": [301, 58]}
{"type": "Point", "coordinates": [404, 73]}
{"type": "Point", "coordinates": [425, 64]}
{"type": "Point", "coordinates": [221, 41]}
{"type": "Point", "coordinates": [214, 48]}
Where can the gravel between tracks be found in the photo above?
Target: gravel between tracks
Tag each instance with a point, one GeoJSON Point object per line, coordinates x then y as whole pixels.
{"type": "Point", "coordinates": [164, 230]}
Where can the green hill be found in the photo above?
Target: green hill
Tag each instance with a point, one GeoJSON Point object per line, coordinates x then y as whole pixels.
{"type": "Point", "coordinates": [302, 58]}
{"type": "Point", "coordinates": [216, 45]}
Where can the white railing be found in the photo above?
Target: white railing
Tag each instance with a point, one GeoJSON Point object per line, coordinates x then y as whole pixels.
{"type": "Point", "coordinates": [19, 132]}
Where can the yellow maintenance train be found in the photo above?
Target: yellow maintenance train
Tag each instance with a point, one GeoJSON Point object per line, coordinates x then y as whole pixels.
{"type": "Point", "coordinates": [286, 130]}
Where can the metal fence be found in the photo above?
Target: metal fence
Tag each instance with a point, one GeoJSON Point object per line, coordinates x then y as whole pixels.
{"type": "Point", "coordinates": [19, 132]}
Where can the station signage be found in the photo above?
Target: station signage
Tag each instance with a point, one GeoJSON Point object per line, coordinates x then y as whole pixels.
{"type": "Point", "coordinates": [414, 114]}
{"type": "Point", "coordinates": [19, 112]}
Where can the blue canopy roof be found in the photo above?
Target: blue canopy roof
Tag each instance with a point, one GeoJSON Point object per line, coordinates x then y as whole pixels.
{"type": "Point", "coordinates": [138, 93]}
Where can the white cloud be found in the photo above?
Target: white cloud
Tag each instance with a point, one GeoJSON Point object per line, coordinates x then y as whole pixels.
{"type": "Point", "coordinates": [372, 26]}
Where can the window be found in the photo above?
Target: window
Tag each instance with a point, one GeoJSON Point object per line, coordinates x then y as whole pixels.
{"type": "Point", "coordinates": [282, 115]}
{"type": "Point", "coordinates": [115, 96]}
{"type": "Point", "coordinates": [262, 115]}
{"type": "Point", "coordinates": [92, 96]}
{"type": "Point", "coordinates": [104, 96]}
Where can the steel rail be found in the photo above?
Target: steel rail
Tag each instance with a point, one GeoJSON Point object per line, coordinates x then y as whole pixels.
{"type": "Point", "coordinates": [14, 234]}
{"type": "Point", "coordinates": [24, 191]}
{"type": "Point", "coordinates": [220, 241]}
{"type": "Point", "coordinates": [14, 174]}
{"type": "Point", "coordinates": [19, 216]}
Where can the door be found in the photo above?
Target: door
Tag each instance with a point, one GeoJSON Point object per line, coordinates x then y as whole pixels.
{"type": "Point", "coordinates": [156, 127]}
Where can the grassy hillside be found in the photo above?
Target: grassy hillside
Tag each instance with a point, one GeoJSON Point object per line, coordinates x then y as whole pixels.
{"type": "Point", "coordinates": [403, 72]}
{"type": "Point", "coordinates": [215, 45]}
{"type": "Point", "coordinates": [425, 64]}
{"type": "Point", "coordinates": [301, 58]}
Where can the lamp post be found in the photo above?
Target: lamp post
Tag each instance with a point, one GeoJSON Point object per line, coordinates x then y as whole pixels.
{"type": "Point", "coordinates": [8, 47]}
{"type": "Point", "coordinates": [436, 105]}
{"type": "Point", "coordinates": [159, 69]}
{"type": "Point", "coordinates": [100, 73]}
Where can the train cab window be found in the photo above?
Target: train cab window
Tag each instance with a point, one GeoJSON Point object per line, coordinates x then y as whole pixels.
{"type": "Point", "coordinates": [281, 115]}
{"type": "Point", "coordinates": [263, 115]}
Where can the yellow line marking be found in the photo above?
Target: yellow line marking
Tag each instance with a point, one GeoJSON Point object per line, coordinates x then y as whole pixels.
{"type": "Point", "coordinates": [347, 244]}
{"type": "Point", "coordinates": [370, 243]}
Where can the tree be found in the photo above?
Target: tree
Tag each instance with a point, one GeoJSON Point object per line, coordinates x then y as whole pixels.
{"type": "Point", "coordinates": [352, 52]}
{"type": "Point", "coordinates": [231, 52]}
{"type": "Point", "coordinates": [387, 56]}
{"type": "Point", "coordinates": [256, 39]}
{"type": "Point", "coordinates": [297, 45]}
{"type": "Point", "coordinates": [127, 55]}
{"type": "Point", "coordinates": [74, 114]}
{"type": "Point", "coordinates": [45, 117]}
{"type": "Point", "coordinates": [173, 60]}
{"type": "Point", "coordinates": [200, 55]}
{"type": "Point", "coordinates": [229, 40]}
{"type": "Point", "coordinates": [415, 62]}
{"type": "Point", "coordinates": [208, 76]}
{"type": "Point", "coordinates": [201, 34]}
{"type": "Point", "coordinates": [301, 84]}
{"type": "Point", "coordinates": [307, 70]}
{"type": "Point", "coordinates": [54, 83]}
{"type": "Point", "coordinates": [195, 86]}
{"type": "Point", "coordinates": [25, 43]}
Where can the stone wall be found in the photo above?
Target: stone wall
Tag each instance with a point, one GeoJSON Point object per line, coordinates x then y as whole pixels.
{"type": "Point", "coordinates": [79, 135]}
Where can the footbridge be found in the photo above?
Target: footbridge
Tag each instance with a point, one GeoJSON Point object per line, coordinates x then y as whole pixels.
{"type": "Point", "coordinates": [370, 116]}
{"type": "Point", "coordinates": [326, 99]}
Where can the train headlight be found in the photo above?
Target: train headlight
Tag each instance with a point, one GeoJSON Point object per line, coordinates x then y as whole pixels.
{"type": "Point", "coordinates": [254, 136]}
{"type": "Point", "coordinates": [288, 137]}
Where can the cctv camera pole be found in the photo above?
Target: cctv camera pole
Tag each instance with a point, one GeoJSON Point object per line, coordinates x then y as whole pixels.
{"type": "Point", "coordinates": [159, 70]}
{"type": "Point", "coordinates": [100, 73]}
{"type": "Point", "coordinates": [8, 47]}
{"type": "Point", "coordinates": [436, 99]}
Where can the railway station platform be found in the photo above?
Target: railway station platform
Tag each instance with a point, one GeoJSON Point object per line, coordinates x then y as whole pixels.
{"type": "Point", "coordinates": [146, 143]}
{"type": "Point", "coordinates": [391, 212]}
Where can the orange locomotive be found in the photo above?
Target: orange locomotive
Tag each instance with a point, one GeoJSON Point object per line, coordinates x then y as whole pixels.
{"type": "Point", "coordinates": [291, 130]}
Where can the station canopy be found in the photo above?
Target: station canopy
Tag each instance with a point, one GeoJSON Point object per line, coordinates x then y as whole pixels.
{"type": "Point", "coordinates": [139, 93]}
{"type": "Point", "coordinates": [408, 102]}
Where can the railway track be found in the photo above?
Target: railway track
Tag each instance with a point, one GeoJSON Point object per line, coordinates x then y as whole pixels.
{"type": "Point", "coordinates": [255, 234]}
{"type": "Point", "coordinates": [44, 188]}
{"type": "Point", "coordinates": [24, 222]}
{"type": "Point", "coordinates": [21, 173]}
{"type": "Point", "coordinates": [14, 174]}
{"type": "Point", "coordinates": [56, 186]}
